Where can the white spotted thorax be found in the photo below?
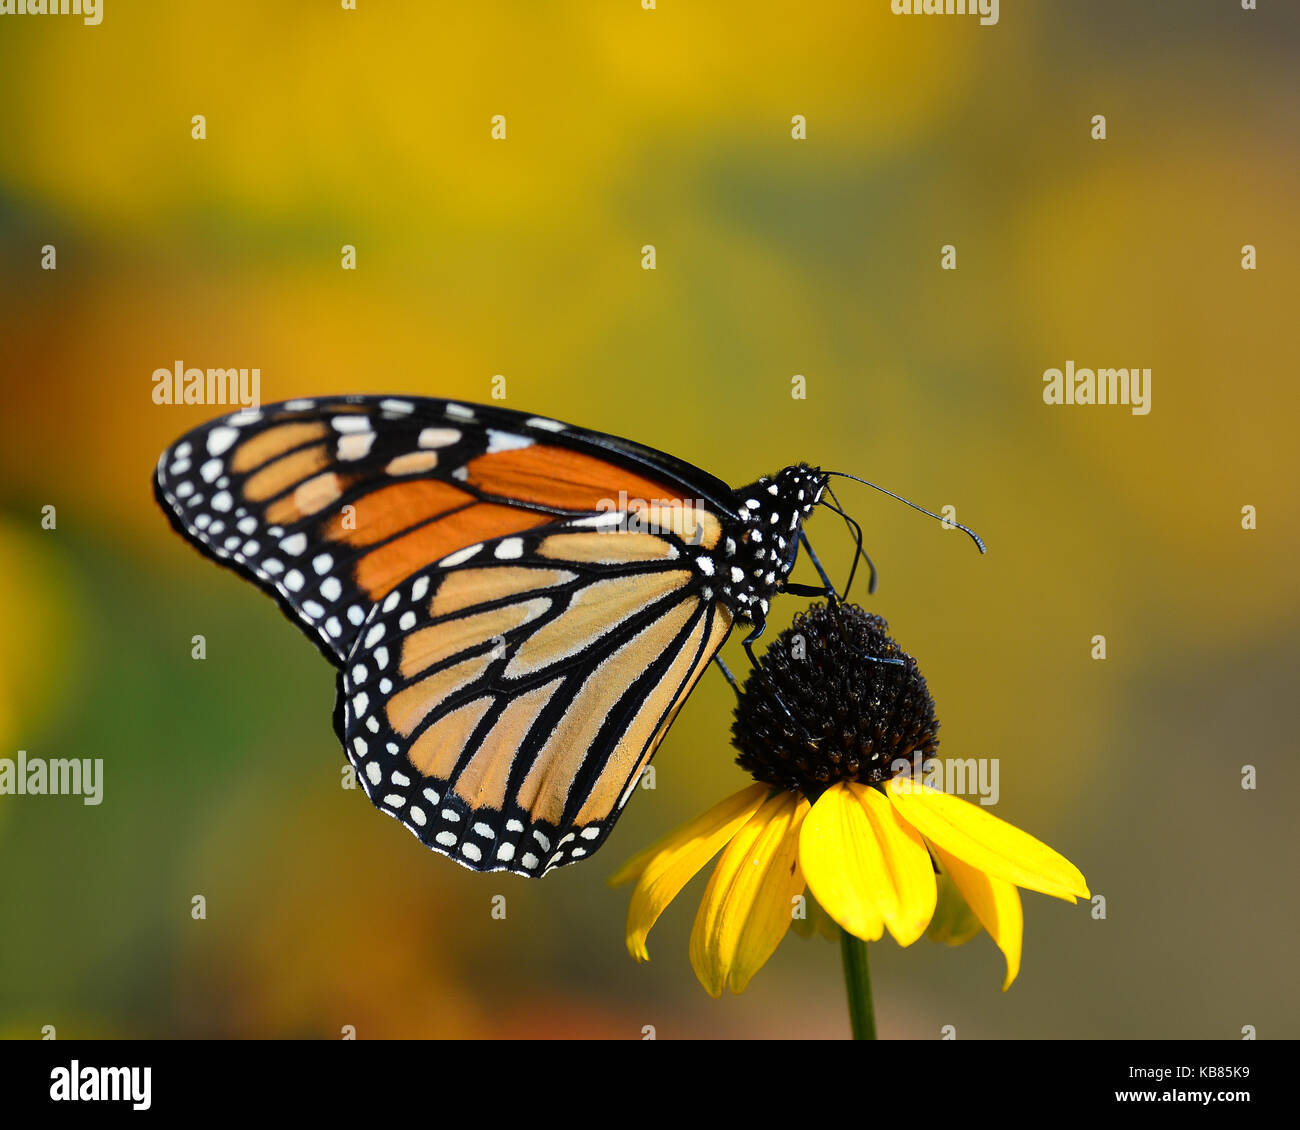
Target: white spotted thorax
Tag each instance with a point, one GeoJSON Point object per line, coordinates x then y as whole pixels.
{"type": "Point", "coordinates": [756, 563]}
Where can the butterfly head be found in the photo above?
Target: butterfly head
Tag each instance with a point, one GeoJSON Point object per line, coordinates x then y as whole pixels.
{"type": "Point", "coordinates": [760, 555]}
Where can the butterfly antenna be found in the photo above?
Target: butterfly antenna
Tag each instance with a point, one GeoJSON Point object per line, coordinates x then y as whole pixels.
{"type": "Point", "coordinates": [856, 530]}
{"type": "Point", "coordinates": [979, 542]}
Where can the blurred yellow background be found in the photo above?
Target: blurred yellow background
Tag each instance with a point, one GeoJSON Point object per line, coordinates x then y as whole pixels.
{"type": "Point", "coordinates": [775, 257]}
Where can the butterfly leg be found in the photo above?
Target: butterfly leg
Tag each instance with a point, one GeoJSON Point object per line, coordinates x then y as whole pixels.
{"type": "Point", "coordinates": [828, 589]}
{"type": "Point", "coordinates": [808, 590]}
{"type": "Point", "coordinates": [726, 674]}
{"type": "Point", "coordinates": [760, 626]}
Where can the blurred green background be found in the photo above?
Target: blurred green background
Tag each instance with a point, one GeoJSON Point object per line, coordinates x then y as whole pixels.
{"type": "Point", "coordinates": [775, 257]}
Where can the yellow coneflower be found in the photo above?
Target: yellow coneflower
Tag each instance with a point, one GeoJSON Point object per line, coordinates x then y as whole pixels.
{"type": "Point", "coordinates": [831, 735]}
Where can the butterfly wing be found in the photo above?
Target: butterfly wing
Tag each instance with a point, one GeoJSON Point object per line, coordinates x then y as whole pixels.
{"type": "Point", "coordinates": [504, 706]}
{"type": "Point", "coordinates": [505, 644]}
{"type": "Point", "coordinates": [328, 505]}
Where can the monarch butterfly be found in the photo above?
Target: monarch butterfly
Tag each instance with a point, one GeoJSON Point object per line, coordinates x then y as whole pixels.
{"type": "Point", "coordinates": [517, 608]}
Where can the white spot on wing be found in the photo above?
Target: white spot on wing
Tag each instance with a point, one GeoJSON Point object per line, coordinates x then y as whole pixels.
{"type": "Point", "coordinates": [355, 446]}
{"type": "Point", "coordinates": [607, 518]}
{"type": "Point", "coordinates": [351, 423]}
{"type": "Point", "coordinates": [506, 441]}
{"type": "Point", "coordinates": [545, 424]}
{"type": "Point", "coordinates": [438, 437]}
{"type": "Point", "coordinates": [460, 555]}
{"type": "Point", "coordinates": [220, 439]}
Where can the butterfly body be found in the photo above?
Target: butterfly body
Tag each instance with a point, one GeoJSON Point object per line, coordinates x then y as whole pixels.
{"type": "Point", "coordinates": [517, 608]}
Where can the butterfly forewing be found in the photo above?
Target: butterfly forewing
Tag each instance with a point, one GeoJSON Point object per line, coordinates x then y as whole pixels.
{"type": "Point", "coordinates": [328, 505]}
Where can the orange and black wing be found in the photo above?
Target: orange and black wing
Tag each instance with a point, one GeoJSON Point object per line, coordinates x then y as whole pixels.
{"type": "Point", "coordinates": [506, 643]}
{"type": "Point", "coordinates": [329, 504]}
{"type": "Point", "coordinates": [503, 706]}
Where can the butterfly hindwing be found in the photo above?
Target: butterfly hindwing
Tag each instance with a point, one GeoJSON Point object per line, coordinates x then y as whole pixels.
{"type": "Point", "coordinates": [502, 705]}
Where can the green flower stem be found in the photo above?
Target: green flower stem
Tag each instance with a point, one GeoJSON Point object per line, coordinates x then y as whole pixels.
{"type": "Point", "coordinates": [857, 984]}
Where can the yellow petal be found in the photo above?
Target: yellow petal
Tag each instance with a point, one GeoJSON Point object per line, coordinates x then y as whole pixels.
{"type": "Point", "coordinates": [996, 904]}
{"type": "Point", "coordinates": [866, 866]}
{"type": "Point", "coordinates": [908, 864]}
{"type": "Point", "coordinates": [979, 838]}
{"type": "Point", "coordinates": [747, 906]}
{"type": "Point", "coordinates": [701, 825]}
{"type": "Point", "coordinates": [844, 865]}
{"type": "Point", "coordinates": [663, 869]}
{"type": "Point", "coordinates": [954, 923]}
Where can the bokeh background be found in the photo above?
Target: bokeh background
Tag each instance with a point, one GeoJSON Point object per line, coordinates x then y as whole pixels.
{"type": "Point", "coordinates": [775, 257]}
